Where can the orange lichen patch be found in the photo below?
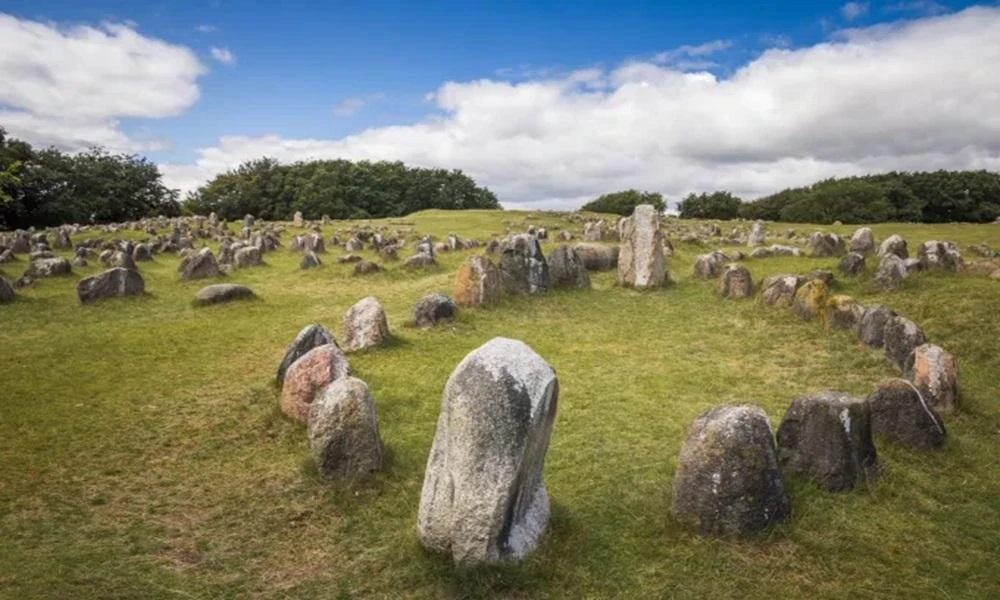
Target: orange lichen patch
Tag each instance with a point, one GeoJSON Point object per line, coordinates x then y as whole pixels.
{"type": "Point", "coordinates": [811, 300]}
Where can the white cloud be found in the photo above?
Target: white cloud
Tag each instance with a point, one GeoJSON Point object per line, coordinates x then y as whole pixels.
{"type": "Point", "coordinates": [853, 10]}
{"type": "Point", "coordinates": [923, 7]}
{"type": "Point", "coordinates": [223, 55]}
{"type": "Point", "coordinates": [351, 106]}
{"type": "Point", "coordinates": [683, 54]}
{"type": "Point", "coordinates": [205, 28]}
{"type": "Point", "coordinates": [69, 87]}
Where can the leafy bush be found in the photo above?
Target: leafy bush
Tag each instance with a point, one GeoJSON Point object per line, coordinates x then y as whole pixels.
{"type": "Point", "coordinates": [624, 202]}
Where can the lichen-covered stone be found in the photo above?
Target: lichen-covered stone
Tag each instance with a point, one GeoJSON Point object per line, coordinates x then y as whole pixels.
{"type": "Point", "coordinates": [365, 325]}
{"type": "Point", "coordinates": [872, 327]}
{"type": "Point", "coordinates": [523, 268]}
{"type": "Point", "coordinates": [902, 415]}
{"type": "Point", "coordinates": [483, 498]}
{"type": "Point", "coordinates": [779, 290]}
{"type": "Point", "coordinates": [222, 292]}
{"type": "Point", "coordinates": [844, 313]}
{"type": "Point", "coordinates": [853, 263]}
{"type": "Point", "coordinates": [728, 481]}
{"type": "Point", "coordinates": [432, 309]}
{"type": "Point", "coordinates": [736, 282]}
{"type": "Point", "coordinates": [935, 254]}
{"type": "Point", "coordinates": [308, 375]}
{"type": "Point", "coordinates": [811, 300]}
{"type": "Point", "coordinates": [597, 257]}
{"type": "Point", "coordinates": [201, 265]}
{"type": "Point", "coordinates": [863, 241]}
{"type": "Point", "coordinates": [935, 373]}
{"type": "Point", "coordinates": [311, 336]}
{"type": "Point", "coordinates": [900, 338]}
{"type": "Point", "coordinates": [641, 263]}
{"type": "Point", "coordinates": [894, 244]}
{"type": "Point", "coordinates": [113, 283]}
{"type": "Point", "coordinates": [566, 269]}
{"type": "Point", "coordinates": [343, 430]}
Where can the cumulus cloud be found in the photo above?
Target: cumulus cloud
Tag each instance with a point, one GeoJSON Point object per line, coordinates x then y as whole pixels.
{"type": "Point", "coordinates": [911, 96]}
{"type": "Point", "coordinates": [351, 106]}
{"type": "Point", "coordinates": [223, 55]}
{"type": "Point", "coordinates": [69, 87]}
{"type": "Point", "coordinates": [853, 10]}
{"type": "Point", "coordinates": [923, 7]}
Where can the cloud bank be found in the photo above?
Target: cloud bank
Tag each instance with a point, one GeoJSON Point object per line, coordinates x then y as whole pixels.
{"type": "Point", "coordinates": [69, 87]}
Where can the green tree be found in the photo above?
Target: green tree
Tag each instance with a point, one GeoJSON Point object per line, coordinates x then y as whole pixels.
{"type": "Point", "coordinates": [624, 202]}
{"type": "Point", "coordinates": [717, 205]}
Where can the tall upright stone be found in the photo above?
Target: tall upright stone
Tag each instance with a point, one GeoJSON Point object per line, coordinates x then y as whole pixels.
{"type": "Point", "coordinates": [758, 232]}
{"type": "Point", "coordinates": [365, 325]}
{"type": "Point", "coordinates": [523, 268]}
{"type": "Point", "coordinates": [343, 430]}
{"type": "Point", "coordinates": [641, 264]}
{"type": "Point", "coordinates": [863, 241]}
{"type": "Point", "coordinates": [477, 283]}
{"type": "Point", "coordinates": [483, 498]}
{"type": "Point", "coordinates": [935, 373]}
{"type": "Point", "coordinates": [310, 337]}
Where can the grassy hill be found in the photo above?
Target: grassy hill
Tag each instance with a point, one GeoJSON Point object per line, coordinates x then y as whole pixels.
{"type": "Point", "coordinates": [144, 456]}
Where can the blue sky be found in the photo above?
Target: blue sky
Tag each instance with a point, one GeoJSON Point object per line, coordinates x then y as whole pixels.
{"type": "Point", "coordinates": [304, 79]}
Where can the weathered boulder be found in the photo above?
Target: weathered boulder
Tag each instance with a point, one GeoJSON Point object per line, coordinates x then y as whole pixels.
{"type": "Point", "coordinates": [483, 498]}
{"type": "Point", "coordinates": [728, 481]}
{"type": "Point", "coordinates": [853, 263]}
{"type": "Point", "coordinates": [365, 325]}
{"type": "Point", "coordinates": [844, 313]}
{"type": "Point", "coordinates": [894, 244]}
{"type": "Point", "coordinates": [900, 338]}
{"type": "Point", "coordinates": [310, 260]}
{"type": "Point", "coordinates": [311, 336]}
{"type": "Point", "coordinates": [871, 330]}
{"type": "Point", "coordinates": [902, 415]}
{"type": "Point", "coordinates": [113, 283]}
{"type": "Point", "coordinates": [248, 256]}
{"type": "Point", "coordinates": [364, 267]}
{"type": "Point", "coordinates": [523, 268]}
{"type": "Point", "coordinates": [779, 290]}
{"type": "Point", "coordinates": [863, 241]}
{"type": "Point", "coordinates": [825, 244]}
{"type": "Point", "coordinates": [827, 437]}
{"type": "Point", "coordinates": [49, 267]}
{"type": "Point", "coordinates": [890, 272]}
{"type": "Point", "coordinates": [566, 269]}
{"type": "Point", "coordinates": [736, 282]}
{"type": "Point", "coordinates": [593, 231]}
{"type": "Point", "coordinates": [343, 430]}
{"type": "Point", "coordinates": [935, 373]}
{"type": "Point", "coordinates": [708, 266]}
{"type": "Point", "coordinates": [6, 291]}
{"type": "Point", "coordinates": [758, 232]}
{"type": "Point", "coordinates": [222, 292]}
{"type": "Point", "coordinates": [641, 264]}
{"type": "Point", "coordinates": [142, 253]}
{"type": "Point", "coordinates": [433, 308]}
{"type": "Point", "coordinates": [935, 254]}
{"type": "Point", "coordinates": [597, 257]}
{"type": "Point", "coordinates": [308, 375]}
{"type": "Point", "coordinates": [477, 283]}
{"type": "Point", "coordinates": [811, 300]}
{"type": "Point", "coordinates": [420, 260]}
{"type": "Point", "coordinates": [201, 265]}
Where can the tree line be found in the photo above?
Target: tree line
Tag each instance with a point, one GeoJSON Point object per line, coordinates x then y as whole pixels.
{"type": "Point", "coordinates": [937, 197]}
{"type": "Point", "coordinates": [339, 189]}
{"type": "Point", "coordinates": [44, 188]}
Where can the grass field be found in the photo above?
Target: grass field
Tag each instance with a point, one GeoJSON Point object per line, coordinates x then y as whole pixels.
{"type": "Point", "coordinates": [142, 453]}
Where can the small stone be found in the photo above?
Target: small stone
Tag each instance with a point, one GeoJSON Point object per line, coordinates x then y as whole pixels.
{"type": "Point", "coordinates": [811, 300]}
{"type": "Point", "coordinates": [365, 325]}
{"type": "Point", "coordinates": [852, 264]}
{"type": "Point", "coordinates": [728, 481]}
{"type": "Point", "coordinates": [902, 415]}
{"type": "Point", "coordinates": [222, 292]}
{"type": "Point", "coordinates": [779, 290]}
{"type": "Point", "coordinates": [523, 268]}
{"type": "Point", "coordinates": [890, 272]}
{"type": "Point", "coordinates": [863, 241]}
{"type": "Point", "coordinates": [419, 261]}
{"type": "Point", "coordinates": [708, 266]}
{"type": "Point", "coordinates": [477, 283]}
{"type": "Point", "coordinates": [343, 430]}
{"type": "Point", "coordinates": [935, 254]}
{"type": "Point", "coordinates": [894, 244]}
{"type": "Point", "coordinates": [736, 282]}
{"type": "Point", "coordinates": [901, 337]}
{"type": "Point", "coordinates": [200, 266]}
{"type": "Point", "coordinates": [827, 437]}
{"type": "Point", "coordinates": [248, 256]}
{"type": "Point", "coordinates": [871, 330]}
{"type": "Point", "coordinates": [433, 308]}
{"type": "Point", "coordinates": [364, 267]}
{"type": "Point", "coordinates": [311, 336]}
{"type": "Point", "coordinates": [597, 257]}
{"type": "Point", "coordinates": [6, 291]}
{"type": "Point", "coordinates": [49, 267]}
{"type": "Point", "coordinates": [310, 260]}
{"type": "Point", "coordinates": [307, 377]}
{"type": "Point", "coordinates": [844, 313]}
{"type": "Point", "coordinates": [758, 232]}
{"type": "Point", "coordinates": [113, 283]}
{"type": "Point", "coordinates": [567, 270]}
{"type": "Point", "coordinates": [825, 244]}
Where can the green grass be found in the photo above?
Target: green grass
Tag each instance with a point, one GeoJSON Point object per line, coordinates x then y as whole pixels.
{"type": "Point", "coordinates": [142, 454]}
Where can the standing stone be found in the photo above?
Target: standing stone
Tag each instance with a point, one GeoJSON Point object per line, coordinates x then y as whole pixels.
{"type": "Point", "coordinates": [433, 308]}
{"type": "Point", "coordinates": [310, 260]}
{"type": "Point", "coordinates": [6, 291]}
{"type": "Point", "coordinates": [758, 232]}
{"type": "Point", "coordinates": [827, 437]}
{"type": "Point", "coordinates": [939, 255]}
{"type": "Point", "coordinates": [297, 219]}
{"type": "Point", "coordinates": [49, 267]}
{"type": "Point", "coordinates": [483, 498]}
{"type": "Point", "coordinates": [935, 373]}
{"type": "Point", "coordinates": [844, 313]}
{"type": "Point", "coordinates": [707, 266]}
{"type": "Point", "coordinates": [901, 337]}
{"type": "Point", "coordinates": [248, 256]}
{"type": "Point", "coordinates": [421, 260]}
{"type": "Point", "coordinates": [593, 231]}
{"type": "Point", "coordinates": [641, 264]}
{"type": "Point", "coordinates": [825, 244]}
{"type": "Point", "coordinates": [853, 263]}
{"type": "Point", "coordinates": [728, 481]}
{"type": "Point", "coordinates": [311, 336]}
{"type": "Point", "coordinates": [343, 430]}
{"type": "Point", "coordinates": [894, 244]}
{"type": "Point", "coordinates": [597, 257]}
{"type": "Point", "coordinates": [314, 242]}
{"type": "Point", "coordinates": [736, 282]}
{"type": "Point", "coordinates": [113, 283]}
{"type": "Point", "coordinates": [872, 328]}
{"type": "Point", "coordinates": [248, 221]}
{"type": "Point", "coordinates": [308, 375]}
{"type": "Point", "coordinates": [200, 266]}
{"type": "Point", "coordinates": [779, 290]}
{"type": "Point", "coordinates": [811, 300]}
{"type": "Point", "coordinates": [863, 241]}
{"type": "Point", "coordinates": [891, 270]}
{"type": "Point", "coordinates": [142, 253]}
{"type": "Point", "coordinates": [477, 283]}
{"type": "Point", "coordinates": [523, 268]}
{"type": "Point", "coordinates": [902, 415]}
{"type": "Point", "coordinates": [566, 269]}
{"type": "Point", "coordinates": [365, 325]}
